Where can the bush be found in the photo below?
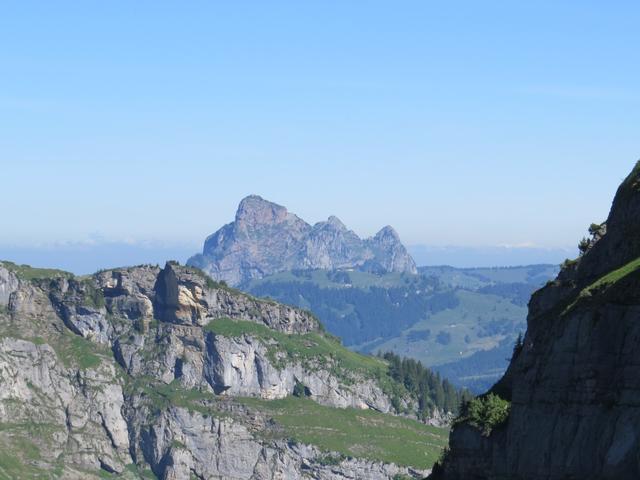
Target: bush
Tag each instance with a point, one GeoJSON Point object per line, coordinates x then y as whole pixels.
{"type": "Point", "coordinates": [486, 413]}
{"type": "Point", "coordinates": [568, 263]}
{"type": "Point", "coordinates": [596, 229]}
{"type": "Point", "coordinates": [584, 245]}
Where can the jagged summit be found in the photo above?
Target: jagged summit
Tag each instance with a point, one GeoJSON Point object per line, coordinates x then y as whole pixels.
{"type": "Point", "coordinates": [387, 233]}
{"type": "Point", "coordinates": [255, 210]}
{"type": "Point", "coordinates": [336, 222]}
{"type": "Point", "coordinates": [266, 238]}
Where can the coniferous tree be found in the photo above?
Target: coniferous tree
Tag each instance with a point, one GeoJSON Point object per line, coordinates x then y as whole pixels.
{"type": "Point", "coordinates": [427, 387]}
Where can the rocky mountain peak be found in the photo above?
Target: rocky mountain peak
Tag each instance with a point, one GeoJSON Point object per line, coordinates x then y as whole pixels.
{"type": "Point", "coordinates": [255, 210]}
{"type": "Point", "coordinates": [387, 235]}
{"type": "Point", "coordinates": [336, 223]}
{"type": "Point", "coordinates": [266, 238]}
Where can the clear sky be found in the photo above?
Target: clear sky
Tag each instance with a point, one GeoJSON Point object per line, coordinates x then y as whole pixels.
{"type": "Point", "coordinates": [459, 123]}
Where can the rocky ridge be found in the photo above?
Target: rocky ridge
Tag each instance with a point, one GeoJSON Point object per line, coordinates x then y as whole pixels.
{"type": "Point", "coordinates": [574, 385]}
{"type": "Point", "coordinates": [265, 238]}
{"type": "Point", "coordinates": [140, 373]}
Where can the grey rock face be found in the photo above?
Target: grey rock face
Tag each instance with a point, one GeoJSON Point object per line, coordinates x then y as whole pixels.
{"type": "Point", "coordinates": [64, 406]}
{"type": "Point", "coordinates": [241, 367]}
{"type": "Point", "coordinates": [265, 238]}
{"type": "Point", "coordinates": [174, 444]}
{"type": "Point", "coordinates": [575, 406]}
{"type": "Point", "coordinates": [89, 371]}
{"type": "Point", "coordinates": [186, 444]}
{"type": "Point", "coordinates": [8, 285]}
{"type": "Point", "coordinates": [184, 296]}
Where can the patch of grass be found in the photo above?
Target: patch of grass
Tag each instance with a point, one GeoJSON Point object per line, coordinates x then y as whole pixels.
{"type": "Point", "coordinates": [74, 350]}
{"type": "Point", "coordinates": [71, 349]}
{"type": "Point", "coordinates": [612, 277]}
{"type": "Point", "coordinates": [12, 466]}
{"type": "Point", "coordinates": [19, 454]}
{"type": "Point", "coordinates": [162, 396]}
{"type": "Point", "coordinates": [140, 472]}
{"type": "Point", "coordinates": [27, 272]}
{"type": "Point", "coordinates": [177, 444]}
{"type": "Point", "coordinates": [355, 433]}
{"type": "Point", "coordinates": [131, 472]}
{"type": "Point", "coordinates": [605, 282]}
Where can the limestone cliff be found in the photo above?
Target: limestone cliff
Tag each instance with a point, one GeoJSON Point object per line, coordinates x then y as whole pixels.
{"type": "Point", "coordinates": [146, 372]}
{"type": "Point", "coordinates": [574, 386]}
{"type": "Point", "coordinates": [265, 238]}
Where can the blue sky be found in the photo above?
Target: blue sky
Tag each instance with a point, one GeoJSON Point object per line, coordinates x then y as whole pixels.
{"type": "Point", "coordinates": [459, 123]}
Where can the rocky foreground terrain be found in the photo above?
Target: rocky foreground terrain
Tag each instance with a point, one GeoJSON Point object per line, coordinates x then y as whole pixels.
{"type": "Point", "coordinates": [568, 407]}
{"type": "Point", "coordinates": [265, 238]}
{"type": "Point", "coordinates": [149, 372]}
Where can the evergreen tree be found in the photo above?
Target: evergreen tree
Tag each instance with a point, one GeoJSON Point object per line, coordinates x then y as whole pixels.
{"type": "Point", "coordinates": [426, 386]}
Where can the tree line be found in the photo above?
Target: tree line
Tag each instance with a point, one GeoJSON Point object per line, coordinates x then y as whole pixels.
{"type": "Point", "coordinates": [428, 387]}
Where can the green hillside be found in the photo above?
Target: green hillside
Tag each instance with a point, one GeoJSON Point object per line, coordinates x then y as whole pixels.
{"type": "Point", "coordinates": [461, 321]}
{"type": "Point", "coordinates": [355, 433]}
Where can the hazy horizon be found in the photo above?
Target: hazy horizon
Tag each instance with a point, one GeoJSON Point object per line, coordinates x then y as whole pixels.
{"type": "Point", "coordinates": [89, 257]}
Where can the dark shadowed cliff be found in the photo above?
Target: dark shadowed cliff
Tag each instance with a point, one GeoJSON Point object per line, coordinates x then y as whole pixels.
{"type": "Point", "coordinates": [574, 387]}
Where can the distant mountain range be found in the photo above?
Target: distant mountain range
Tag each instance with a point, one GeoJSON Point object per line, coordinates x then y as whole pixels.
{"type": "Point", "coordinates": [265, 239]}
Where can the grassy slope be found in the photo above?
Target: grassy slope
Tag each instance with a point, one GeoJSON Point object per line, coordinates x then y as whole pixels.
{"type": "Point", "coordinates": [26, 272]}
{"type": "Point", "coordinates": [483, 322]}
{"type": "Point", "coordinates": [605, 282]}
{"type": "Point", "coordinates": [612, 277]}
{"type": "Point", "coordinates": [356, 433]}
{"type": "Point", "coordinates": [463, 323]}
{"type": "Point", "coordinates": [471, 278]}
{"type": "Point", "coordinates": [349, 432]}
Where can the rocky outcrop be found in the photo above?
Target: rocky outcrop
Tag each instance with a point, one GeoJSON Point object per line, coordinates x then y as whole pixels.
{"type": "Point", "coordinates": [574, 387]}
{"type": "Point", "coordinates": [61, 407]}
{"type": "Point", "coordinates": [241, 366]}
{"type": "Point", "coordinates": [265, 238]}
{"type": "Point", "coordinates": [128, 369]}
{"type": "Point", "coordinates": [185, 296]}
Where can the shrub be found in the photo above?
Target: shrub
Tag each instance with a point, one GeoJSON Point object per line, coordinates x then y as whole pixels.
{"type": "Point", "coordinates": [569, 263]}
{"type": "Point", "coordinates": [486, 413]}
{"type": "Point", "coordinates": [584, 245]}
{"type": "Point", "coordinates": [595, 229]}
